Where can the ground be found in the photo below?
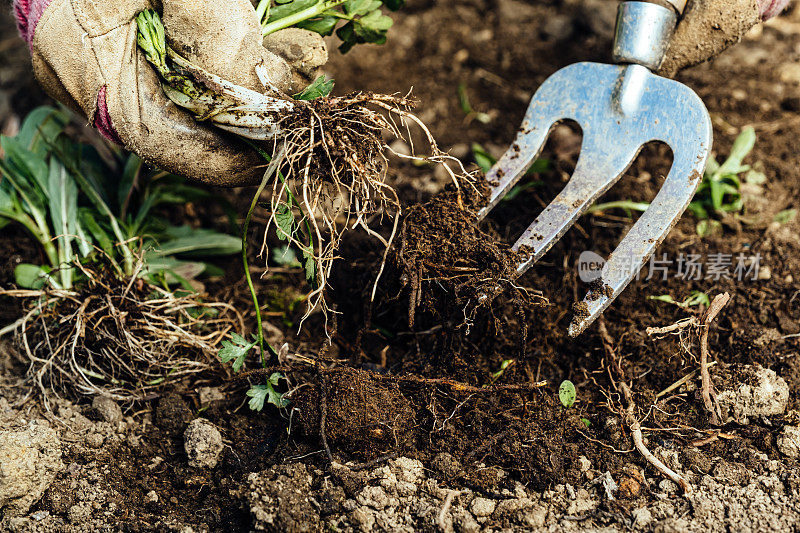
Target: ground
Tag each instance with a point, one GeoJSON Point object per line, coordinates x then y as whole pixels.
{"type": "Point", "coordinates": [416, 441]}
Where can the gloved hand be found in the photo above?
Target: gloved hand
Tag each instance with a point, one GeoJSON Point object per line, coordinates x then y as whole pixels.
{"type": "Point", "coordinates": [85, 55]}
{"type": "Point", "coordinates": [710, 26]}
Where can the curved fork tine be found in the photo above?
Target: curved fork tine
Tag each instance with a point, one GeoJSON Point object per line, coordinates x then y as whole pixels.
{"type": "Point", "coordinates": [518, 159]}
{"type": "Point", "coordinates": [594, 174]}
{"type": "Point", "coordinates": [641, 241]}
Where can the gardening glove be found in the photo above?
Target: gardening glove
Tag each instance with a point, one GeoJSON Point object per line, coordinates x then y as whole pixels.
{"type": "Point", "coordinates": [85, 55]}
{"type": "Point", "coordinates": [710, 26]}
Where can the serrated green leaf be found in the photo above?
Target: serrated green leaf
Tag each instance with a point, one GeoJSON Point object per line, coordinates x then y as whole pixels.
{"type": "Point", "coordinates": [567, 393]}
{"type": "Point", "coordinates": [285, 256]}
{"type": "Point", "coordinates": [235, 350]}
{"type": "Point", "coordinates": [310, 266]}
{"type": "Point", "coordinates": [261, 394]}
{"type": "Point", "coordinates": [284, 220]}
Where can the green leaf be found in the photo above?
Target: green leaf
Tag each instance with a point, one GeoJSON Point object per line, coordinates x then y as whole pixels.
{"type": "Point", "coordinates": [484, 160]}
{"type": "Point", "coordinates": [188, 241]}
{"type": "Point", "coordinates": [708, 227]}
{"type": "Point", "coordinates": [285, 256]}
{"type": "Point", "coordinates": [320, 88]}
{"type": "Point", "coordinates": [742, 146]}
{"type": "Point", "coordinates": [310, 266]}
{"type": "Point", "coordinates": [586, 422]}
{"type": "Point", "coordinates": [361, 7]}
{"type": "Point", "coordinates": [128, 180]}
{"type": "Point", "coordinates": [785, 216]}
{"type": "Point", "coordinates": [30, 276]}
{"type": "Point", "coordinates": [566, 393]}
{"type": "Point", "coordinates": [284, 220]}
{"type": "Point", "coordinates": [281, 11]}
{"type": "Point", "coordinates": [88, 219]}
{"type": "Point", "coordinates": [696, 298]}
{"type": "Point", "coordinates": [663, 298]}
{"type": "Point", "coordinates": [43, 121]}
{"type": "Point", "coordinates": [261, 394]}
{"type": "Point", "coordinates": [322, 25]}
{"type": "Point", "coordinates": [235, 350]}
{"type": "Point", "coordinates": [28, 165]}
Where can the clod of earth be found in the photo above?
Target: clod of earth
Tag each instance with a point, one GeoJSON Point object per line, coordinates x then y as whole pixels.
{"type": "Point", "coordinates": [749, 391]}
{"type": "Point", "coordinates": [203, 443]}
{"type": "Point", "coordinates": [30, 459]}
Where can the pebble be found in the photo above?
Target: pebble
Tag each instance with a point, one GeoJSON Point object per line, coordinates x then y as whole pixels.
{"type": "Point", "coordinates": [789, 441]}
{"type": "Point", "coordinates": [203, 443]}
{"type": "Point", "coordinates": [482, 507]}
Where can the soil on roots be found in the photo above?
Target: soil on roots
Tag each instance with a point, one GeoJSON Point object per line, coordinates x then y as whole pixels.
{"type": "Point", "coordinates": [449, 265]}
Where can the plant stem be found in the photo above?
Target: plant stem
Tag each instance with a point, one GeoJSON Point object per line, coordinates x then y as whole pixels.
{"type": "Point", "coordinates": [272, 168]}
{"type": "Point", "coordinates": [621, 204]}
{"type": "Point", "coordinates": [262, 11]}
{"type": "Point", "coordinates": [300, 16]}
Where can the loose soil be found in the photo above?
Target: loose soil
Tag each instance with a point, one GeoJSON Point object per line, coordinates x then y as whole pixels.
{"type": "Point", "coordinates": [424, 430]}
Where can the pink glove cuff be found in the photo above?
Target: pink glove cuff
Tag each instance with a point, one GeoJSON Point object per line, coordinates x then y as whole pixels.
{"type": "Point", "coordinates": [771, 8]}
{"type": "Point", "coordinates": [28, 13]}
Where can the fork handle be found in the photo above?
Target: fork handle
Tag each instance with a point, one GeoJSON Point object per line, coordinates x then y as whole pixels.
{"type": "Point", "coordinates": [643, 32]}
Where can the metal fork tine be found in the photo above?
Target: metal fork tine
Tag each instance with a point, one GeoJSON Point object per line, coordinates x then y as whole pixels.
{"type": "Point", "coordinates": [594, 174]}
{"type": "Point", "coordinates": [641, 241]}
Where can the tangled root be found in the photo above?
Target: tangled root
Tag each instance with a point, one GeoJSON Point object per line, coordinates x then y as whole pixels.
{"type": "Point", "coordinates": [335, 166]}
{"type": "Point", "coordinates": [122, 338]}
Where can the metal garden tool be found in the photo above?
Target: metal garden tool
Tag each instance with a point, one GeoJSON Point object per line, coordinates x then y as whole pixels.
{"type": "Point", "coordinates": [620, 108]}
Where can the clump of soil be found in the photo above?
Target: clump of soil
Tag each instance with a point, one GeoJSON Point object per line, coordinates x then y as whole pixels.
{"type": "Point", "coordinates": [449, 264]}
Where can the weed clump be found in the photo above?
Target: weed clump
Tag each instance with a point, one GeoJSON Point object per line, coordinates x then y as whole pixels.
{"type": "Point", "coordinates": [125, 339]}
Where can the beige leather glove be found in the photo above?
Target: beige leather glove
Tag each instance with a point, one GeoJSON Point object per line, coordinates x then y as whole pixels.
{"type": "Point", "coordinates": [710, 26]}
{"type": "Point", "coordinates": [85, 55]}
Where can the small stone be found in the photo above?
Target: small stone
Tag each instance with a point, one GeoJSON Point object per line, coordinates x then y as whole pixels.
{"type": "Point", "coordinates": [363, 519]}
{"type": "Point", "coordinates": [584, 464]}
{"type": "Point", "coordinates": [641, 517]}
{"type": "Point", "coordinates": [108, 409]}
{"type": "Point", "coordinates": [789, 441]}
{"type": "Point", "coordinates": [482, 507]}
{"type": "Point", "coordinates": [751, 391]}
{"type": "Point", "coordinates": [151, 497]}
{"type": "Point", "coordinates": [203, 443]}
{"type": "Point", "coordinates": [668, 486]}
{"type": "Point", "coordinates": [207, 395]}
{"type": "Point", "coordinates": [94, 440]}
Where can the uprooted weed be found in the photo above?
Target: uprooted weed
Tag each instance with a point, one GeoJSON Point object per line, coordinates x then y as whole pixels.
{"type": "Point", "coordinates": [328, 162]}
{"type": "Point", "coordinates": [123, 338]}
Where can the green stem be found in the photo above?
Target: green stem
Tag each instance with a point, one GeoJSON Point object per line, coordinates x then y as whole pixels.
{"type": "Point", "coordinates": [300, 16]}
{"type": "Point", "coordinates": [262, 11]}
{"type": "Point", "coordinates": [273, 166]}
{"type": "Point", "coordinates": [621, 204]}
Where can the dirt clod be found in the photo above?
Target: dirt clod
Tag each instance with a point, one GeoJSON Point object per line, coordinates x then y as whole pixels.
{"type": "Point", "coordinates": [747, 391]}
{"type": "Point", "coordinates": [203, 443]}
{"type": "Point", "coordinates": [30, 458]}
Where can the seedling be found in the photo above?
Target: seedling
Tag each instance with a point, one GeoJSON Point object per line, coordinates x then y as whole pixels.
{"type": "Point", "coordinates": [719, 191]}
{"type": "Point", "coordinates": [466, 107]}
{"type": "Point", "coordinates": [695, 298]}
{"type": "Point", "coordinates": [567, 393]}
{"type": "Point", "coordinates": [785, 216]}
{"type": "Point", "coordinates": [363, 20]}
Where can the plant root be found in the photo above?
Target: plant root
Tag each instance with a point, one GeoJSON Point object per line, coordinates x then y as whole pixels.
{"type": "Point", "coordinates": [709, 396]}
{"type": "Point", "coordinates": [122, 338]}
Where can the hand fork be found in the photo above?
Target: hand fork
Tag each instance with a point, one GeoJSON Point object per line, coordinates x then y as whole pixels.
{"type": "Point", "coordinates": [619, 108]}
